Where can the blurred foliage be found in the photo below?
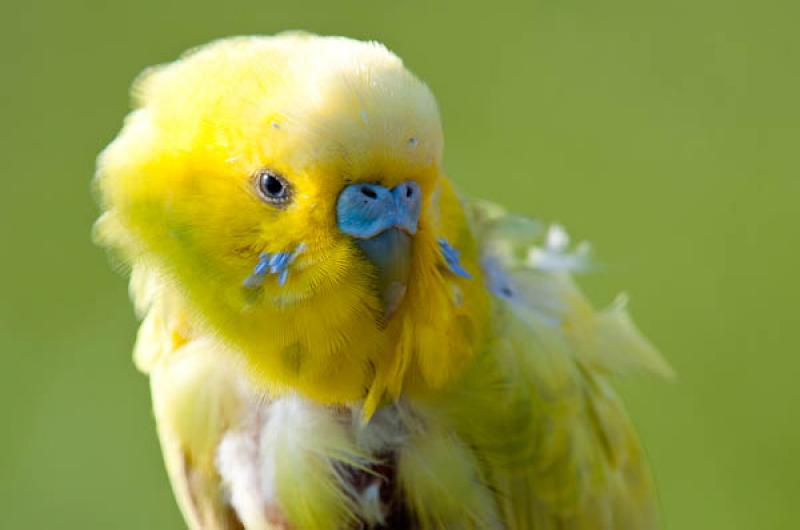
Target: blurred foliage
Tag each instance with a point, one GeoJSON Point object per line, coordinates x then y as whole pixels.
{"type": "Point", "coordinates": [664, 132]}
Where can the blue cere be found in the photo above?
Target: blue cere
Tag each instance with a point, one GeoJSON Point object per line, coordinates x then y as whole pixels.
{"type": "Point", "coordinates": [452, 257]}
{"type": "Point", "coordinates": [365, 210]}
{"type": "Point", "coordinates": [272, 263]}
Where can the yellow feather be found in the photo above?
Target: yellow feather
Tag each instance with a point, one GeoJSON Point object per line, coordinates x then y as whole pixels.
{"type": "Point", "coordinates": [176, 186]}
{"type": "Point", "coordinates": [488, 395]}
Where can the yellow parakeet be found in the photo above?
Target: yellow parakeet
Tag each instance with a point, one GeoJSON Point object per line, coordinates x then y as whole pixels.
{"type": "Point", "coordinates": [334, 337]}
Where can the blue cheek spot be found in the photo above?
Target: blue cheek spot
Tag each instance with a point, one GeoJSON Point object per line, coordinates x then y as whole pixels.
{"type": "Point", "coordinates": [452, 258]}
{"type": "Point", "coordinates": [272, 263]}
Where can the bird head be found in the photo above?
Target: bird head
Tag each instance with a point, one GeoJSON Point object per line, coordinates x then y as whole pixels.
{"type": "Point", "coordinates": [290, 190]}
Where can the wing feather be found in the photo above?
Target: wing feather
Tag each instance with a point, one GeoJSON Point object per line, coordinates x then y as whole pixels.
{"type": "Point", "coordinates": [197, 397]}
{"type": "Point", "coordinates": [562, 452]}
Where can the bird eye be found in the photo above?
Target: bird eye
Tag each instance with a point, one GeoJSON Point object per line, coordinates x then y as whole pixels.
{"type": "Point", "coordinates": [273, 188]}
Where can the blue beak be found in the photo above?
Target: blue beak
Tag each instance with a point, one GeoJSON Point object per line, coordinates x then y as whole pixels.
{"type": "Point", "coordinates": [382, 222]}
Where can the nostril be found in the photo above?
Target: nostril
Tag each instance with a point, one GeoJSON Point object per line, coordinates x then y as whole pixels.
{"type": "Point", "coordinates": [369, 192]}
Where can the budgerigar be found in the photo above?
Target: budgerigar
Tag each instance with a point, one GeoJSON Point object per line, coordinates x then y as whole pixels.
{"type": "Point", "coordinates": [335, 338]}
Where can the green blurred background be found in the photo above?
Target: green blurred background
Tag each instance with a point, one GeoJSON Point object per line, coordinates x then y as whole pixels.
{"type": "Point", "coordinates": [664, 132]}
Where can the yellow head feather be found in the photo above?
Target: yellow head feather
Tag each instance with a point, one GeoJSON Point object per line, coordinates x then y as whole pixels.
{"type": "Point", "coordinates": [180, 193]}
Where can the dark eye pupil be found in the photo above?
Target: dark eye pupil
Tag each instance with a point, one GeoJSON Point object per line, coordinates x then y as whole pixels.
{"type": "Point", "coordinates": [273, 186]}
